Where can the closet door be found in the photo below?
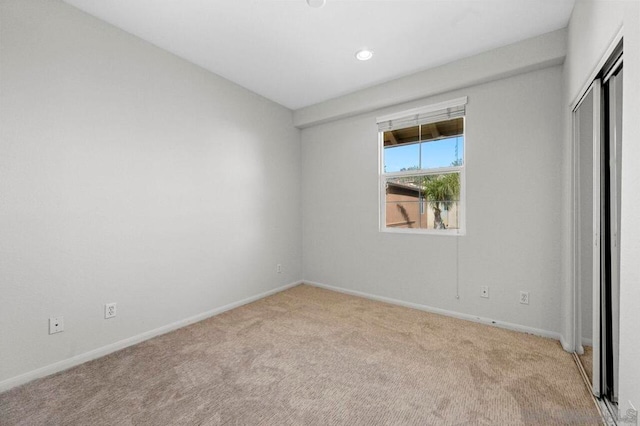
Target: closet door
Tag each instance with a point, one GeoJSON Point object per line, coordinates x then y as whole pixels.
{"type": "Point", "coordinates": [597, 184]}
{"type": "Point", "coordinates": [587, 130]}
{"type": "Point", "coordinates": [610, 290]}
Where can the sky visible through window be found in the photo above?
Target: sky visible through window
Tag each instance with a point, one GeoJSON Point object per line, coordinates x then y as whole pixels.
{"type": "Point", "coordinates": [425, 155]}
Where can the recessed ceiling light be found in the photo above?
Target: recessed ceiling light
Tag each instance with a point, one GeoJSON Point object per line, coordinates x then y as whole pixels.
{"type": "Point", "coordinates": [364, 55]}
{"type": "Point", "coordinates": [316, 3]}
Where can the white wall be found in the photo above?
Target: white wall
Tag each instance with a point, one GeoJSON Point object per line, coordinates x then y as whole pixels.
{"type": "Point", "coordinates": [592, 28]}
{"type": "Point", "coordinates": [513, 243]}
{"type": "Point", "coordinates": [128, 175]}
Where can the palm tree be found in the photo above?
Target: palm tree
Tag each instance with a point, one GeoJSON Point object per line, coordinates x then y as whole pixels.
{"type": "Point", "coordinates": [441, 191]}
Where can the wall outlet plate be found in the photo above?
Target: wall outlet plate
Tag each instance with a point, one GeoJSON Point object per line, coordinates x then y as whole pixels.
{"type": "Point", "coordinates": [484, 291]}
{"type": "Point", "coordinates": [109, 310]}
{"type": "Point", "coordinates": [524, 297]}
{"type": "Point", "coordinates": [56, 325]}
{"type": "Point", "coordinates": [279, 268]}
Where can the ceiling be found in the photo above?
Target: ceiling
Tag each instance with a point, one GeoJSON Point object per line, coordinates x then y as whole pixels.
{"type": "Point", "coordinates": [297, 56]}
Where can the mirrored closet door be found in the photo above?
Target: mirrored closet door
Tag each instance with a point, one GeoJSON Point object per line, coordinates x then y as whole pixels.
{"type": "Point", "coordinates": [597, 166]}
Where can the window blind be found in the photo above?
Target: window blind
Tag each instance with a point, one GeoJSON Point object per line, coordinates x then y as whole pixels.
{"type": "Point", "coordinates": [418, 116]}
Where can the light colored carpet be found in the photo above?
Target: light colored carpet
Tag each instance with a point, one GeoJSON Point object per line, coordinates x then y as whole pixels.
{"type": "Point", "coordinates": [309, 356]}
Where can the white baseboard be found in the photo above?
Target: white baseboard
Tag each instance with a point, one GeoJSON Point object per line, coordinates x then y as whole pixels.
{"type": "Point", "coordinates": [459, 315]}
{"type": "Point", "coordinates": [566, 345]}
{"type": "Point", "coordinates": [113, 347]}
{"type": "Point", "coordinates": [580, 349]}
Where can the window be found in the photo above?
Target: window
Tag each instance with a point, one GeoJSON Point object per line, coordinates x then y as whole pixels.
{"type": "Point", "coordinates": [422, 169]}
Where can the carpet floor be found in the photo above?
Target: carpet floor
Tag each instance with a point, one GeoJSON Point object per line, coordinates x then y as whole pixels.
{"type": "Point", "coordinates": [308, 356]}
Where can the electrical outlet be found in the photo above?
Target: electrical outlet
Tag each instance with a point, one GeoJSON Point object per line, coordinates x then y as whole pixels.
{"type": "Point", "coordinates": [109, 310]}
{"type": "Point", "coordinates": [56, 325]}
{"type": "Point", "coordinates": [279, 268]}
{"type": "Point", "coordinates": [524, 297]}
{"type": "Point", "coordinates": [484, 291]}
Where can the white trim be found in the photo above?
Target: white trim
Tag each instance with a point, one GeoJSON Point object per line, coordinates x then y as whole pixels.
{"type": "Point", "coordinates": [424, 172]}
{"type": "Point", "coordinates": [462, 203]}
{"type": "Point", "coordinates": [565, 344]}
{"type": "Point", "coordinates": [576, 291]}
{"type": "Point", "coordinates": [423, 110]}
{"type": "Point", "coordinates": [596, 234]}
{"type": "Point", "coordinates": [587, 342]}
{"type": "Point", "coordinates": [445, 312]}
{"type": "Point", "coordinates": [424, 231]}
{"type": "Point", "coordinates": [592, 76]}
{"type": "Point", "coordinates": [130, 341]}
{"type": "Point", "coordinates": [614, 69]}
{"type": "Point", "coordinates": [381, 190]}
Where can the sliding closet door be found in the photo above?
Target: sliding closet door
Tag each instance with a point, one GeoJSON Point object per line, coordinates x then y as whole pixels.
{"type": "Point", "coordinates": [597, 184]}
{"type": "Point", "coordinates": [587, 132]}
{"type": "Point", "coordinates": [611, 228]}
{"type": "Point", "coordinates": [617, 101]}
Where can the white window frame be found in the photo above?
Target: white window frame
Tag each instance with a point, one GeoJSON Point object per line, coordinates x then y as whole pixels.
{"type": "Point", "coordinates": [382, 176]}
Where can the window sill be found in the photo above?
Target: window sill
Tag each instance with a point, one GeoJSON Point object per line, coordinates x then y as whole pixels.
{"type": "Point", "coordinates": [441, 232]}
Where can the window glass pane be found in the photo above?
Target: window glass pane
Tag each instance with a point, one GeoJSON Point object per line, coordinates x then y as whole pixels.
{"type": "Point", "coordinates": [403, 202]}
{"type": "Point", "coordinates": [400, 136]}
{"type": "Point", "coordinates": [401, 157]}
{"type": "Point", "coordinates": [442, 129]}
{"type": "Point", "coordinates": [442, 152]}
{"type": "Point", "coordinates": [423, 202]}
